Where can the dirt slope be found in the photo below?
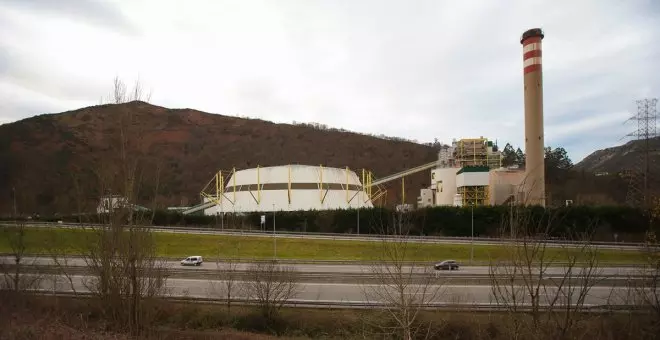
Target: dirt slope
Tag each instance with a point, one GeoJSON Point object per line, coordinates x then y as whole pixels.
{"type": "Point", "coordinates": [39, 156]}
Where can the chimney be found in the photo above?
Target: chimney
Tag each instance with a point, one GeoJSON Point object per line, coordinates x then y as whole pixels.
{"type": "Point", "coordinates": [534, 140]}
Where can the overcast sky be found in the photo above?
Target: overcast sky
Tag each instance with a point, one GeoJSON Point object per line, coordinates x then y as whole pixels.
{"type": "Point", "coordinates": [413, 69]}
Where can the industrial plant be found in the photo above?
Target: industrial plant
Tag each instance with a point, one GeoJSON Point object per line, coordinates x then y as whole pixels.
{"type": "Point", "coordinates": [468, 172]}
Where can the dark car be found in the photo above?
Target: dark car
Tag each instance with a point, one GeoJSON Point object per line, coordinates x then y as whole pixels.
{"type": "Point", "coordinates": [446, 265]}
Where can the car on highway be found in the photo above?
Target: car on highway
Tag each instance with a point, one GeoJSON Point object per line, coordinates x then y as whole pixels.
{"type": "Point", "coordinates": [446, 265]}
{"type": "Point", "coordinates": [192, 261]}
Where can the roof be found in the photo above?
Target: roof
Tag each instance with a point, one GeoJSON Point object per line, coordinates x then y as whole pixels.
{"type": "Point", "coordinates": [473, 168]}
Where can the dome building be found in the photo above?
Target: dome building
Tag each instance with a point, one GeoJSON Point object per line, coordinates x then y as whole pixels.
{"type": "Point", "coordinates": [286, 188]}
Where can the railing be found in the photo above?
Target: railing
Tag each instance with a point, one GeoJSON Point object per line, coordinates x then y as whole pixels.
{"type": "Point", "coordinates": [333, 236]}
{"type": "Point", "coordinates": [293, 303]}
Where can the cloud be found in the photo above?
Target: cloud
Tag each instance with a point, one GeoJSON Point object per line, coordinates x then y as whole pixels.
{"type": "Point", "coordinates": [438, 69]}
{"type": "Point", "coordinates": [95, 12]}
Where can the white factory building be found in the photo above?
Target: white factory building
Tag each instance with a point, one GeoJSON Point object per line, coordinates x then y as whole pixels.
{"type": "Point", "coordinates": [286, 188]}
{"type": "Point", "coordinates": [469, 172]}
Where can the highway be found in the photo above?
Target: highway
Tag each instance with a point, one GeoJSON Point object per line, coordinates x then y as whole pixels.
{"type": "Point", "coordinates": [342, 284]}
{"type": "Point", "coordinates": [330, 269]}
{"type": "Point", "coordinates": [342, 293]}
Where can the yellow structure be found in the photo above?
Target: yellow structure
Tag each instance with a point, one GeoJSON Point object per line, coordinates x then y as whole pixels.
{"type": "Point", "coordinates": [472, 185]}
{"type": "Point", "coordinates": [474, 195]}
{"type": "Point", "coordinates": [476, 152]}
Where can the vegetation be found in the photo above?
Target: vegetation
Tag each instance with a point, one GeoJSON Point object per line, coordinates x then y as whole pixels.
{"type": "Point", "coordinates": [70, 318]}
{"type": "Point", "coordinates": [609, 223]}
{"type": "Point", "coordinates": [177, 245]}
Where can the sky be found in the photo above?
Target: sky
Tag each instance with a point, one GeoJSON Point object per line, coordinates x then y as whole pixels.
{"type": "Point", "coordinates": [419, 70]}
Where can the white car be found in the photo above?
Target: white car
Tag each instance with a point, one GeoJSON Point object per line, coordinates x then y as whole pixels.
{"type": "Point", "coordinates": [192, 261]}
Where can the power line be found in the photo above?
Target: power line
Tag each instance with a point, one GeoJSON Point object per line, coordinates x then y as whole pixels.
{"type": "Point", "coordinates": [643, 174]}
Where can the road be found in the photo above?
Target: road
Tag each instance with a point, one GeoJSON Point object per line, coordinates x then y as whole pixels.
{"type": "Point", "coordinates": [331, 269]}
{"type": "Point", "coordinates": [195, 282]}
{"type": "Point", "coordinates": [354, 293]}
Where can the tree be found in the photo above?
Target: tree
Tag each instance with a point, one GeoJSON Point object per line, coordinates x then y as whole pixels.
{"type": "Point", "coordinates": [14, 276]}
{"type": "Point", "coordinates": [272, 285]}
{"type": "Point", "coordinates": [403, 289]}
{"type": "Point", "coordinates": [520, 158]}
{"type": "Point", "coordinates": [509, 157]}
{"type": "Point", "coordinates": [557, 159]}
{"type": "Point", "coordinates": [646, 293]}
{"type": "Point", "coordinates": [125, 272]}
{"type": "Point", "coordinates": [522, 279]}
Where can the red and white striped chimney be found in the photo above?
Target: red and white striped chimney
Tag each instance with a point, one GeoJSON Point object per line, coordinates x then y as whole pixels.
{"type": "Point", "coordinates": [534, 184]}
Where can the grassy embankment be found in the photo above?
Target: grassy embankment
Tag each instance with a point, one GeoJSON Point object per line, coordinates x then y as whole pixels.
{"type": "Point", "coordinates": [69, 318]}
{"type": "Point", "coordinates": [41, 240]}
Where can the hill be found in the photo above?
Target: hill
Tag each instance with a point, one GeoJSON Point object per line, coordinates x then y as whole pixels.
{"type": "Point", "coordinates": [45, 157]}
{"type": "Point", "coordinates": [619, 158]}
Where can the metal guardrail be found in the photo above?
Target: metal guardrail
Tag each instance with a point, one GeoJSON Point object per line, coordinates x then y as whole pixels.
{"type": "Point", "coordinates": [334, 236]}
{"type": "Point", "coordinates": [615, 280]}
{"type": "Point", "coordinates": [285, 261]}
{"type": "Point", "coordinates": [297, 303]}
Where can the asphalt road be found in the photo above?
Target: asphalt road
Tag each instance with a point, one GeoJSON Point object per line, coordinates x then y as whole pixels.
{"type": "Point", "coordinates": [339, 292]}
{"type": "Point", "coordinates": [337, 269]}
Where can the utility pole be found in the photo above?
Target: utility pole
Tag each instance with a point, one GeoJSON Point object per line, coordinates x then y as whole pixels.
{"type": "Point", "coordinates": [511, 217]}
{"type": "Point", "coordinates": [13, 193]}
{"type": "Point", "coordinates": [472, 238]}
{"type": "Point", "coordinates": [274, 238]}
{"type": "Point", "coordinates": [358, 220]}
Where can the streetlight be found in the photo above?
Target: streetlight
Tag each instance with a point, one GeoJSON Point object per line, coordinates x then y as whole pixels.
{"type": "Point", "coordinates": [274, 238]}
{"type": "Point", "coordinates": [472, 237]}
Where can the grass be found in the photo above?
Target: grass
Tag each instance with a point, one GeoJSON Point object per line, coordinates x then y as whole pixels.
{"type": "Point", "coordinates": [73, 241]}
{"type": "Point", "coordinates": [42, 317]}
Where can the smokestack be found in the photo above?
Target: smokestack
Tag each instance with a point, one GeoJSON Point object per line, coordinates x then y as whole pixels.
{"type": "Point", "coordinates": [534, 146]}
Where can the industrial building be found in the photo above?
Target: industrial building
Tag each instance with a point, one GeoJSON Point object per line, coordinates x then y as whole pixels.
{"type": "Point", "coordinates": [284, 188]}
{"type": "Point", "coordinates": [468, 173]}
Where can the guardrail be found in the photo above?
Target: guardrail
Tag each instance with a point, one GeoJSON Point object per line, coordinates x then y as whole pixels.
{"type": "Point", "coordinates": [334, 236]}
{"type": "Point", "coordinates": [612, 280]}
{"type": "Point", "coordinates": [298, 303]}
{"type": "Point", "coordinates": [327, 262]}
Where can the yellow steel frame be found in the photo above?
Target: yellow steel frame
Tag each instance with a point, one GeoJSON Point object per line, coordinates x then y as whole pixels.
{"type": "Point", "coordinates": [289, 185]}
{"type": "Point", "coordinates": [462, 147]}
{"type": "Point", "coordinates": [346, 189]}
{"type": "Point", "coordinates": [367, 182]}
{"type": "Point", "coordinates": [403, 190]}
{"type": "Point", "coordinates": [217, 197]}
{"type": "Point", "coordinates": [474, 195]}
{"type": "Point", "coordinates": [258, 198]}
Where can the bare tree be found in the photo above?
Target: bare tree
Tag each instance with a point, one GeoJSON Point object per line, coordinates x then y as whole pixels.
{"type": "Point", "coordinates": [14, 271]}
{"type": "Point", "coordinates": [403, 288]}
{"type": "Point", "coordinates": [645, 288]}
{"type": "Point", "coordinates": [61, 260]}
{"type": "Point", "coordinates": [271, 285]}
{"type": "Point", "coordinates": [121, 253]}
{"type": "Point", "coordinates": [549, 283]}
{"type": "Point", "coordinates": [228, 277]}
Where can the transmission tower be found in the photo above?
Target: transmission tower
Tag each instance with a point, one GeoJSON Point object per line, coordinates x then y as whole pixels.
{"type": "Point", "coordinates": [643, 175]}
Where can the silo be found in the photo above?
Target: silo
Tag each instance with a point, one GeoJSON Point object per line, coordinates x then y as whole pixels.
{"type": "Point", "coordinates": [289, 188]}
{"type": "Point", "coordinates": [534, 182]}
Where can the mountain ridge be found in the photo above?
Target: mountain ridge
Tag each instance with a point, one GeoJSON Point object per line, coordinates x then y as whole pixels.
{"type": "Point", "coordinates": [40, 155]}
